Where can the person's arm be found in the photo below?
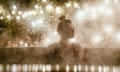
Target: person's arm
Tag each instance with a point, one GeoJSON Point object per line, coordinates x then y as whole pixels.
{"type": "Point", "coordinates": [72, 27]}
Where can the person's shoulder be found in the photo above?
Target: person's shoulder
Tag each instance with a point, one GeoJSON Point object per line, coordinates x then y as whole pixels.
{"type": "Point", "coordinates": [76, 45]}
{"type": "Point", "coordinates": [61, 22]}
{"type": "Point", "coordinates": [67, 20]}
{"type": "Point", "coordinates": [55, 45]}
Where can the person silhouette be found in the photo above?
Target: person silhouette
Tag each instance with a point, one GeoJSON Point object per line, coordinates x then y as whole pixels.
{"type": "Point", "coordinates": [64, 50]}
{"type": "Point", "coordinates": [66, 30]}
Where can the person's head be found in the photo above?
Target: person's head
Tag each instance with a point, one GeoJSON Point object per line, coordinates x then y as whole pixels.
{"type": "Point", "coordinates": [62, 17]}
{"type": "Point", "coordinates": [66, 31]}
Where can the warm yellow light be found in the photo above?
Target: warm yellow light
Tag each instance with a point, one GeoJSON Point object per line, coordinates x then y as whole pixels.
{"type": "Point", "coordinates": [18, 17]}
{"type": "Point", "coordinates": [44, 0]}
{"type": "Point", "coordinates": [14, 7]}
{"type": "Point", "coordinates": [117, 37]}
{"type": "Point", "coordinates": [49, 7]}
{"type": "Point", "coordinates": [14, 68]}
{"type": "Point", "coordinates": [19, 12]}
{"type": "Point", "coordinates": [1, 68]}
{"type": "Point", "coordinates": [93, 13]}
{"type": "Point", "coordinates": [75, 68]}
{"type": "Point", "coordinates": [24, 67]}
{"type": "Point", "coordinates": [80, 15]}
{"type": "Point", "coordinates": [36, 6]}
{"type": "Point", "coordinates": [9, 17]}
{"type": "Point", "coordinates": [33, 12]}
{"type": "Point", "coordinates": [21, 42]}
{"type": "Point", "coordinates": [47, 41]}
{"type": "Point", "coordinates": [0, 11]}
{"type": "Point", "coordinates": [41, 11]}
{"type": "Point", "coordinates": [48, 68]}
{"type": "Point", "coordinates": [67, 68]}
{"type": "Point", "coordinates": [107, 1]}
{"type": "Point", "coordinates": [58, 10]}
{"type": "Point", "coordinates": [116, 1]}
{"type": "Point", "coordinates": [86, 68]}
{"type": "Point", "coordinates": [68, 4]}
{"type": "Point", "coordinates": [79, 68]}
{"type": "Point", "coordinates": [72, 40]}
{"type": "Point", "coordinates": [13, 12]}
{"type": "Point", "coordinates": [92, 68]}
{"type": "Point", "coordinates": [96, 39]}
{"type": "Point", "coordinates": [108, 29]}
{"type": "Point", "coordinates": [76, 5]}
{"type": "Point", "coordinates": [57, 67]}
{"type": "Point", "coordinates": [1, 17]}
{"type": "Point", "coordinates": [101, 9]}
{"type": "Point", "coordinates": [26, 44]}
{"type": "Point", "coordinates": [99, 68]}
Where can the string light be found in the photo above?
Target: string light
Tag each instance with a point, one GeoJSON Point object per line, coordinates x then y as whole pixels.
{"type": "Point", "coordinates": [44, 0]}
{"type": "Point", "coordinates": [99, 68]}
{"type": "Point", "coordinates": [14, 68]}
{"type": "Point", "coordinates": [1, 68]}
{"type": "Point", "coordinates": [20, 12]}
{"type": "Point", "coordinates": [25, 67]}
{"type": "Point", "coordinates": [115, 69]}
{"type": "Point", "coordinates": [18, 17]}
{"type": "Point", "coordinates": [68, 5]}
{"type": "Point", "coordinates": [36, 6]}
{"type": "Point", "coordinates": [33, 12]}
{"type": "Point", "coordinates": [96, 39]}
{"type": "Point", "coordinates": [117, 37]}
{"type": "Point", "coordinates": [94, 14]}
{"type": "Point", "coordinates": [49, 8]}
{"type": "Point", "coordinates": [79, 68]}
{"type": "Point", "coordinates": [26, 44]}
{"type": "Point", "coordinates": [86, 68]}
{"type": "Point", "coordinates": [1, 17]}
{"type": "Point", "coordinates": [13, 12]}
{"type": "Point", "coordinates": [75, 68]}
{"type": "Point", "coordinates": [58, 10]}
{"type": "Point", "coordinates": [108, 29]}
{"type": "Point", "coordinates": [92, 68]}
{"type": "Point", "coordinates": [67, 68]}
{"type": "Point", "coordinates": [8, 67]}
{"type": "Point", "coordinates": [47, 41]}
{"type": "Point", "coordinates": [109, 12]}
{"type": "Point", "coordinates": [25, 14]}
{"type": "Point", "coordinates": [116, 1]}
{"type": "Point", "coordinates": [107, 1]}
{"type": "Point", "coordinates": [105, 69]}
{"type": "Point", "coordinates": [57, 67]}
{"type": "Point", "coordinates": [21, 42]}
{"type": "Point", "coordinates": [14, 7]}
{"type": "Point", "coordinates": [0, 11]}
{"type": "Point", "coordinates": [87, 18]}
{"type": "Point", "coordinates": [48, 68]}
{"type": "Point", "coordinates": [101, 9]}
{"type": "Point", "coordinates": [9, 17]}
{"type": "Point", "coordinates": [41, 11]}
{"type": "Point", "coordinates": [37, 24]}
{"type": "Point", "coordinates": [76, 5]}
{"type": "Point", "coordinates": [43, 68]}
{"type": "Point", "coordinates": [80, 16]}
{"type": "Point", "coordinates": [52, 37]}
